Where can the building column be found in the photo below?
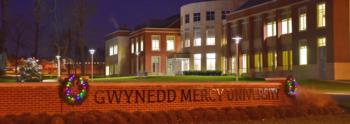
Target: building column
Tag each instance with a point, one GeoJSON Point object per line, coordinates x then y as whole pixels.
{"type": "Point", "coordinates": [264, 50]}
{"type": "Point", "coordinates": [278, 19]}
{"type": "Point", "coordinates": [251, 49]}
{"type": "Point", "coordinates": [228, 48]}
{"type": "Point", "coordinates": [239, 33]}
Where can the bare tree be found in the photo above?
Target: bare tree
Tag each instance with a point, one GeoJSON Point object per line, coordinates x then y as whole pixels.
{"type": "Point", "coordinates": [17, 33]}
{"type": "Point", "coordinates": [3, 31]}
{"type": "Point", "coordinates": [37, 16]}
{"type": "Point", "coordinates": [84, 10]}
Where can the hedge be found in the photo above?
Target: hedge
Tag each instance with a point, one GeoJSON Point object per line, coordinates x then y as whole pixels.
{"type": "Point", "coordinates": [206, 73]}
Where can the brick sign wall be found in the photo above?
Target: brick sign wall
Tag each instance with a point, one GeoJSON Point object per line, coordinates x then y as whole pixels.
{"type": "Point", "coordinates": [44, 97]}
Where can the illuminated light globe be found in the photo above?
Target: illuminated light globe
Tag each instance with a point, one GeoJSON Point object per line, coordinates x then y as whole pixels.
{"type": "Point", "coordinates": [291, 86]}
{"type": "Point", "coordinates": [74, 90]}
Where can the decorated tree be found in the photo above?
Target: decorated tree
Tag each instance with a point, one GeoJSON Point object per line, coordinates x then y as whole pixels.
{"type": "Point", "coordinates": [29, 71]}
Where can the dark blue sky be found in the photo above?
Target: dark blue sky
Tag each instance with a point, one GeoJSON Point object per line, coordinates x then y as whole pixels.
{"type": "Point", "coordinates": [126, 12]}
{"type": "Point", "coordinates": [132, 13]}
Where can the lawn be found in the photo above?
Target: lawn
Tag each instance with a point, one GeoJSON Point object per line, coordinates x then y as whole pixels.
{"type": "Point", "coordinates": [325, 119]}
{"type": "Point", "coordinates": [174, 79]}
{"type": "Point", "coordinates": [326, 86]}
{"type": "Point", "coordinates": [7, 79]}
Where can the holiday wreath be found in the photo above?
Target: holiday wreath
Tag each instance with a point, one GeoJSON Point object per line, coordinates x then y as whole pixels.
{"type": "Point", "coordinates": [74, 90]}
{"type": "Point", "coordinates": [291, 86]}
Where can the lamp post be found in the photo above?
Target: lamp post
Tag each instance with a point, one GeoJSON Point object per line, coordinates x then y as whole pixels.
{"type": "Point", "coordinates": [237, 40]}
{"type": "Point", "coordinates": [58, 66]}
{"type": "Point", "coordinates": [92, 51]}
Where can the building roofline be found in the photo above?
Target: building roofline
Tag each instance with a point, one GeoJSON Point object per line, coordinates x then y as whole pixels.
{"type": "Point", "coordinates": [153, 29]}
{"type": "Point", "coordinates": [252, 7]}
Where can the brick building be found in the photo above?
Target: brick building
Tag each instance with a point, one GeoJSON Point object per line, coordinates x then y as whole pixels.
{"type": "Point", "coordinates": [304, 38]}
{"type": "Point", "coordinates": [309, 39]}
{"type": "Point", "coordinates": [144, 50]}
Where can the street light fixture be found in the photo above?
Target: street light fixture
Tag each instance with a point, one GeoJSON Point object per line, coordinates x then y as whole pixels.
{"type": "Point", "coordinates": [92, 52]}
{"type": "Point", "coordinates": [58, 66]}
{"type": "Point", "coordinates": [237, 40]}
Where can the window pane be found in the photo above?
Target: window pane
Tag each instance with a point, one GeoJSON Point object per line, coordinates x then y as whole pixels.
{"type": "Point", "coordinates": [303, 55]}
{"type": "Point", "coordinates": [137, 46]}
{"type": "Point", "coordinates": [197, 61]}
{"type": "Point", "coordinates": [284, 26]}
{"type": "Point", "coordinates": [211, 61]}
{"type": "Point", "coordinates": [233, 64]}
{"type": "Point", "coordinates": [244, 63]}
{"type": "Point", "coordinates": [185, 64]}
{"type": "Point", "coordinates": [196, 17]}
{"type": "Point", "coordinates": [271, 29]}
{"type": "Point", "coordinates": [210, 37]}
{"type": "Point", "coordinates": [321, 15]}
{"type": "Point", "coordinates": [302, 22]}
{"type": "Point", "coordinates": [155, 42]}
{"type": "Point", "coordinates": [258, 62]}
{"type": "Point", "coordinates": [187, 18]}
{"type": "Point", "coordinates": [321, 42]}
{"type": "Point", "coordinates": [132, 48]}
{"type": "Point", "coordinates": [197, 38]}
{"type": "Point", "coordinates": [111, 50]}
{"type": "Point", "coordinates": [187, 40]}
{"type": "Point", "coordinates": [210, 15]}
{"type": "Point", "coordinates": [141, 45]}
{"type": "Point", "coordinates": [115, 50]}
{"type": "Point", "coordinates": [170, 43]}
{"type": "Point", "coordinates": [107, 70]}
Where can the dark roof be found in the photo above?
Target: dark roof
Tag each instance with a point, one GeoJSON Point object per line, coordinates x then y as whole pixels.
{"type": "Point", "coordinates": [170, 22]}
{"type": "Point", "coordinates": [251, 3]}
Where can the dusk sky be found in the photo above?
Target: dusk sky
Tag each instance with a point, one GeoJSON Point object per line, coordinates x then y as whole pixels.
{"type": "Point", "coordinates": [126, 12]}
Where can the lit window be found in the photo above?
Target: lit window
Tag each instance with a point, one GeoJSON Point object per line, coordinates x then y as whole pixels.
{"type": "Point", "coordinates": [197, 61]}
{"type": "Point", "coordinates": [303, 55]}
{"type": "Point", "coordinates": [258, 62]}
{"type": "Point", "coordinates": [111, 50]}
{"type": "Point", "coordinates": [107, 71]}
{"type": "Point", "coordinates": [321, 42]}
{"type": "Point", "coordinates": [141, 44]}
{"type": "Point", "coordinates": [233, 64]}
{"type": "Point", "coordinates": [321, 15]}
{"type": "Point", "coordinates": [302, 22]}
{"type": "Point", "coordinates": [137, 46]}
{"type": "Point", "coordinates": [287, 26]}
{"type": "Point", "coordinates": [196, 17]}
{"type": "Point", "coordinates": [115, 49]}
{"type": "Point", "coordinates": [187, 43]}
{"type": "Point", "coordinates": [170, 43]}
{"type": "Point", "coordinates": [210, 37]}
{"type": "Point", "coordinates": [132, 48]}
{"type": "Point", "coordinates": [155, 42]}
{"type": "Point", "coordinates": [244, 63]}
{"type": "Point", "coordinates": [271, 29]}
{"type": "Point", "coordinates": [210, 15]}
{"type": "Point", "coordinates": [187, 18]}
{"type": "Point", "coordinates": [185, 64]}
{"type": "Point", "coordinates": [271, 60]}
{"type": "Point", "coordinates": [197, 38]}
{"type": "Point", "coordinates": [187, 40]}
{"type": "Point", "coordinates": [211, 61]}
{"type": "Point", "coordinates": [287, 60]}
